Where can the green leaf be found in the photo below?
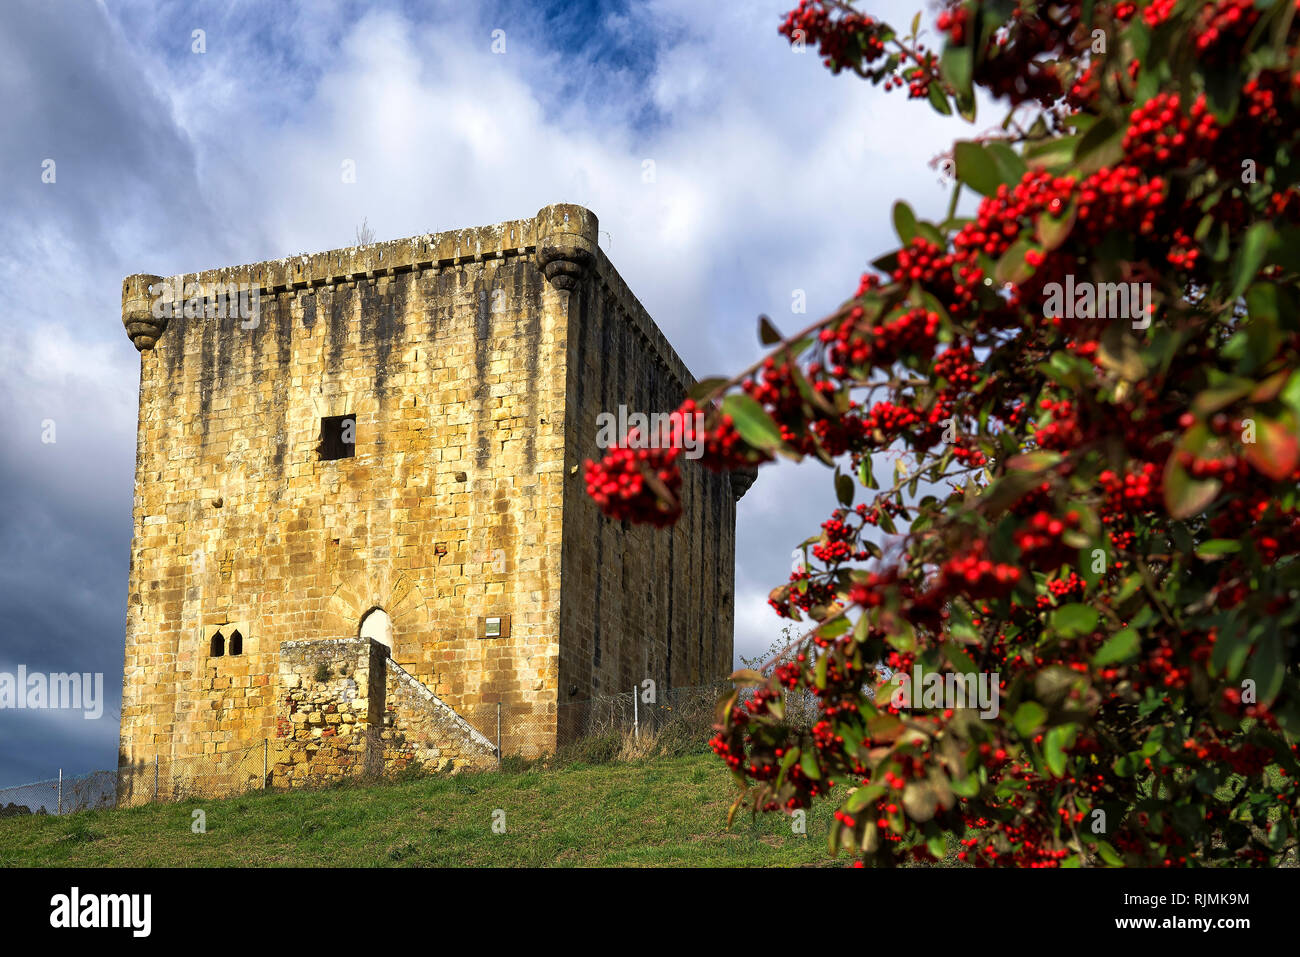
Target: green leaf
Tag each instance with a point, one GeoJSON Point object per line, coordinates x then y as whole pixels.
{"type": "Point", "coordinates": [1074, 620]}
{"type": "Point", "coordinates": [1055, 155]}
{"type": "Point", "coordinates": [976, 168]}
{"type": "Point", "coordinates": [1102, 145]}
{"type": "Point", "coordinates": [1011, 166]}
{"type": "Point", "coordinates": [752, 422]}
{"type": "Point", "coordinates": [1291, 393]}
{"type": "Point", "coordinates": [808, 761]}
{"type": "Point", "coordinates": [1262, 301]}
{"type": "Point", "coordinates": [1007, 490]}
{"type": "Point", "coordinates": [1109, 854]}
{"type": "Point", "coordinates": [844, 489]}
{"type": "Point", "coordinates": [1029, 717]}
{"type": "Point", "coordinates": [956, 67]}
{"type": "Point", "coordinates": [791, 756]}
{"type": "Point", "coordinates": [930, 232]}
{"type": "Point", "coordinates": [1051, 230]}
{"type": "Point", "coordinates": [1218, 547]}
{"type": "Point", "coordinates": [902, 636]}
{"type": "Point", "coordinates": [938, 100]}
{"type": "Point", "coordinates": [835, 628]}
{"type": "Point", "coordinates": [1230, 651]}
{"type": "Point", "coordinates": [1184, 495]}
{"type": "Point", "coordinates": [703, 388]}
{"type": "Point", "coordinates": [904, 222]}
{"type": "Point", "coordinates": [1267, 667]}
{"type": "Point", "coordinates": [1212, 400]}
{"type": "Point", "coordinates": [1038, 461]}
{"type": "Point", "coordinates": [862, 797]}
{"type": "Point", "coordinates": [865, 474]}
{"type": "Point", "coordinates": [1120, 646]}
{"type": "Point", "coordinates": [1013, 267]}
{"type": "Point", "coordinates": [1054, 744]}
{"type": "Point", "coordinates": [768, 334]}
{"type": "Point", "coordinates": [960, 661]}
{"type": "Point", "coordinates": [966, 787]}
{"type": "Point", "coordinates": [886, 263]}
{"type": "Point", "coordinates": [1253, 248]}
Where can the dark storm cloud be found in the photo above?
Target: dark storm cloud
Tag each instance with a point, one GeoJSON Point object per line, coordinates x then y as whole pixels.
{"type": "Point", "coordinates": [125, 183]}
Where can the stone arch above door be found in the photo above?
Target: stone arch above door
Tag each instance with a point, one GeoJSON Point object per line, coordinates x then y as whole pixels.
{"type": "Point", "coordinates": [399, 598]}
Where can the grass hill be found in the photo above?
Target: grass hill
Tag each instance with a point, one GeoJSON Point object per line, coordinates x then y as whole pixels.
{"type": "Point", "coordinates": [665, 811]}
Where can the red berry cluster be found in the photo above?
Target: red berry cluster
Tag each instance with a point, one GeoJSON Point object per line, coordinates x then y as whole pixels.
{"type": "Point", "coordinates": [623, 485]}
{"type": "Point", "coordinates": [1158, 12]}
{"type": "Point", "coordinates": [1135, 491]}
{"type": "Point", "coordinates": [1040, 540]}
{"type": "Point", "coordinates": [943, 274]}
{"type": "Point", "coordinates": [973, 574]}
{"type": "Point", "coordinates": [849, 40]}
{"type": "Point", "coordinates": [1223, 28]}
{"type": "Point", "coordinates": [1161, 132]}
{"type": "Point", "coordinates": [1061, 430]}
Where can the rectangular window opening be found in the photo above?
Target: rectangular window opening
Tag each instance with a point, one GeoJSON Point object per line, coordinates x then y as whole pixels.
{"type": "Point", "coordinates": [338, 437]}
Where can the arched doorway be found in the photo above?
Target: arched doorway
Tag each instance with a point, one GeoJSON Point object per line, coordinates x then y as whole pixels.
{"type": "Point", "coordinates": [377, 625]}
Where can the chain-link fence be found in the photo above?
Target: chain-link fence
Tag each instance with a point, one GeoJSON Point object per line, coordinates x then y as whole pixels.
{"type": "Point", "coordinates": [226, 774]}
{"type": "Point", "coordinates": [61, 795]}
{"type": "Point", "coordinates": [641, 722]}
{"type": "Point", "coordinates": [162, 779]}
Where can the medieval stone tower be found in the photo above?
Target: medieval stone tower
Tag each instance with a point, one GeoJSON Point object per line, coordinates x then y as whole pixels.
{"type": "Point", "coordinates": [360, 519]}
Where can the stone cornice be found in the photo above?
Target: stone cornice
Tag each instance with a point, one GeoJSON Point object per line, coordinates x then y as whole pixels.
{"type": "Point", "coordinates": [561, 237]}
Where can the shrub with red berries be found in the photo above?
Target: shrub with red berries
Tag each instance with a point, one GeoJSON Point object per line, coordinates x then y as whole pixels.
{"type": "Point", "coordinates": [1094, 381]}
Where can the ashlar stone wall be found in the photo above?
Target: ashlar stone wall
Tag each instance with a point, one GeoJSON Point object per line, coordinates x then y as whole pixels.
{"type": "Point", "coordinates": [472, 365]}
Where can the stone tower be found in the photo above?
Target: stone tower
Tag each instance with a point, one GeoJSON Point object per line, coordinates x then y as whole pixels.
{"type": "Point", "coordinates": [358, 481]}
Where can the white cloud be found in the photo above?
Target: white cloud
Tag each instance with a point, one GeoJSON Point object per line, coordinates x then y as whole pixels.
{"type": "Point", "coordinates": [770, 175]}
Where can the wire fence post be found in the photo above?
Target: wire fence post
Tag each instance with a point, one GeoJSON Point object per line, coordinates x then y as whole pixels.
{"type": "Point", "coordinates": [266, 760]}
{"type": "Point", "coordinates": [636, 716]}
{"type": "Point", "coordinates": [498, 735]}
{"type": "Point", "coordinates": [60, 810]}
{"type": "Point", "coordinates": [155, 777]}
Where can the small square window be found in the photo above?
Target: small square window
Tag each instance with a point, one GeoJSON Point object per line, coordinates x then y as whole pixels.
{"type": "Point", "coordinates": [338, 437]}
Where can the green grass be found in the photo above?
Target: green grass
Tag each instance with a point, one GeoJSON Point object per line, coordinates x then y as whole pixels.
{"type": "Point", "coordinates": [651, 813]}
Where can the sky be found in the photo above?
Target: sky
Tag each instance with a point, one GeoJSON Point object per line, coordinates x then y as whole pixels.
{"type": "Point", "coordinates": [175, 152]}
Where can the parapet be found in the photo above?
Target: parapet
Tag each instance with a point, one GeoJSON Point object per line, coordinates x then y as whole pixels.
{"type": "Point", "coordinates": [564, 237]}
